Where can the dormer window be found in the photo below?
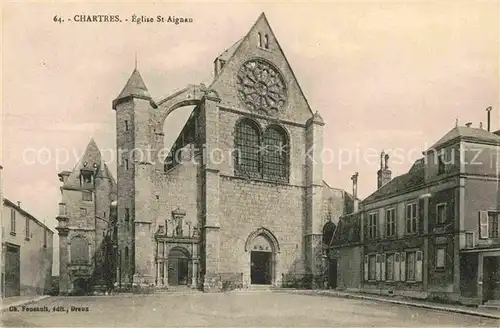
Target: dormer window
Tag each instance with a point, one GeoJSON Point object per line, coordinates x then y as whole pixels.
{"type": "Point", "coordinates": [86, 175]}
{"type": "Point", "coordinates": [441, 166]}
{"type": "Point", "coordinates": [222, 63]}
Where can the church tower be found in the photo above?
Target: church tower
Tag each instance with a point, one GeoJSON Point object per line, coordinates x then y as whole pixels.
{"type": "Point", "coordinates": [133, 109]}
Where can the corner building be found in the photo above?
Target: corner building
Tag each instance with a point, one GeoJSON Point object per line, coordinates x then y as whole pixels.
{"type": "Point", "coordinates": [240, 197]}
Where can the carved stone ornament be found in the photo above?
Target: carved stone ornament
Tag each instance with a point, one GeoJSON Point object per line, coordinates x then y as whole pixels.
{"type": "Point", "coordinates": [261, 87]}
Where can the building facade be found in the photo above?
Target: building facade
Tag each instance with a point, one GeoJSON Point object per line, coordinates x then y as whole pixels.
{"type": "Point", "coordinates": [239, 198]}
{"type": "Point", "coordinates": [433, 232]}
{"type": "Point", "coordinates": [86, 225]}
{"type": "Point", "coordinates": [26, 253]}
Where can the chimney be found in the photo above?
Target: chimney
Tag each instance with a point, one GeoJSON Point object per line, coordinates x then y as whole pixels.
{"type": "Point", "coordinates": [489, 118]}
{"type": "Point", "coordinates": [384, 174]}
{"type": "Point", "coordinates": [481, 125]}
{"type": "Point", "coordinates": [354, 179]}
{"type": "Point", "coordinates": [18, 204]}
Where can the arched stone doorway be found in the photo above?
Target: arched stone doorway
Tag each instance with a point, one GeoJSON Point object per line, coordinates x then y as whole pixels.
{"type": "Point", "coordinates": [179, 267]}
{"type": "Point", "coordinates": [263, 251]}
{"type": "Point", "coordinates": [81, 286]}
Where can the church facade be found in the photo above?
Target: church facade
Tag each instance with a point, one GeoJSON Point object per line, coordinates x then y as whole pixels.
{"type": "Point", "coordinates": [239, 198]}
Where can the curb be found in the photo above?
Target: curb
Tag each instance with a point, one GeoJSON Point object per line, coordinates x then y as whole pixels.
{"type": "Point", "coordinates": [25, 302]}
{"type": "Point", "coordinates": [420, 305]}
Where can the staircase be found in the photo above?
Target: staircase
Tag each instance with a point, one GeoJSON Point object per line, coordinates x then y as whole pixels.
{"type": "Point", "coordinates": [491, 304]}
{"type": "Point", "coordinates": [179, 290]}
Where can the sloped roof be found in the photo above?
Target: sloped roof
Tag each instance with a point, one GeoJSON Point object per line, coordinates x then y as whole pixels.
{"type": "Point", "coordinates": [419, 164]}
{"type": "Point", "coordinates": [25, 213]}
{"type": "Point", "coordinates": [91, 156]}
{"type": "Point", "coordinates": [228, 53]}
{"type": "Point", "coordinates": [135, 86]}
{"type": "Point", "coordinates": [413, 178]}
{"type": "Point", "coordinates": [463, 132]}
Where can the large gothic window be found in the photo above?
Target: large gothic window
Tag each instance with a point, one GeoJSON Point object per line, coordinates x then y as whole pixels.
{"type": "Point", "coordinates": [261, 156]}
{"type": "Point", "coordinates": [275, 154]}
{"type": "Point", "coordinates": [247, 144]}
{"type": "Point", "coordinates": [79, 250]}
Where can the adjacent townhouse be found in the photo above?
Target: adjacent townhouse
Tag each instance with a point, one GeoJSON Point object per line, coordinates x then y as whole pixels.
{"type": "Point", "coordinates": [433, 231]}
{"type": "Point", "coordinates": [26, 252]}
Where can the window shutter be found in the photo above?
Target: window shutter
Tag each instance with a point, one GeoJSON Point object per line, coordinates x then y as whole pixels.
{"type": "Point", "coordinates": [377, 267]}
{"type": "Point", "coordinates": [366, 267]}
{"type": "Point", "coordinates": [382, 266]}
{"type": "Point", "coordinates": [396, 267]}
{"type": "Point", "coordinates": [418, 268]}
{"type": "Point", "coordinates": [483, 224]}
{"type": "Point", "coordinates": [402, 266]}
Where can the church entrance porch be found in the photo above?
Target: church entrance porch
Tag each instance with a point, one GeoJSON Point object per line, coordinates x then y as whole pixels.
{"type": "Point", "coordinates": [263, 255]}
{"type": "Point", "coordinates": [260, 270]}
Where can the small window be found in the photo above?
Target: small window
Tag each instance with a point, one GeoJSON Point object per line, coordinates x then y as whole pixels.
{"type": "Point", "coordinates": [222, 63]}
{"type": "Point", "coordinates": [441, 165]}
{"type": "Point", "coordinates": [27, 230]}
{"type": "Point", "coordinates": [372, 225]}
{"type": "Point", "coordinates": [469, 239]}
{"type": "Point", "coordinates": [126, 125]}
{"type": "Point", "coordinates": [126, 164]}
{"type": "Point", "coordinates": [13, 221]}
{"type": "Point", "coordinates": [86, 196]}
{"type": "Point", "coordinates": [83, 211]}
{"type": "Point", "coordinates": [440, 258]}
{"type": "Point", "coordinates": [44, 238]}
{"type": "Point", "coordinates": [411, 218]}
{"type": "Point", "coordinates": [390, 218]}
{"type": "Point", "coordinates": [492, 225]}
{"type": "Point", "coordinates": [87, 178]}
{"type": "Point", "coordinates": [259, 39]}
{"type": "Point", "coordinates": [127, 217]}
{"type": "Point", "coordinates": [441, 213]}
{"type": "Point", "coordinates": [266, 41]}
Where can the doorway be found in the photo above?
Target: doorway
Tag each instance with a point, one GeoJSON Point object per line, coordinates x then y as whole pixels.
{"type": "Point", "coordinates": [82, 287]}
{"type": "Point", "coordinates": [332, 273]}
{"type": "Point", "coordinates": [491, 274]}
{"type": "Point", "coordinates": [178, 268]}
{"type": "Point", "coordinates": [260, 273]}
{"type": "Point", "coordinates": [12, 271]}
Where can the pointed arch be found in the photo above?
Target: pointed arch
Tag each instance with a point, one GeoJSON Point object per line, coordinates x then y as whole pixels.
{"type": "Point", "coordinates": [264, 232]}
{"type": "Point", "coordinates": [328, 232]}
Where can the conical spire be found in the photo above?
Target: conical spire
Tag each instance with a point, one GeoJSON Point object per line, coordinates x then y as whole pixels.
{"type": "Point", "coordinates": [135, 87]}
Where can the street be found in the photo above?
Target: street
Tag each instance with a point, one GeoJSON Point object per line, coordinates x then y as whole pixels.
{"type": "Point", "coordinates": [236, 309]}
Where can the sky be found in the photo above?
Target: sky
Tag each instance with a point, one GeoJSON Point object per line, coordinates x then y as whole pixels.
{"type": "Point", "coordinates": [391, 76]}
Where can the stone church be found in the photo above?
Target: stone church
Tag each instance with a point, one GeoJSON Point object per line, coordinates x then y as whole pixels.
{"type": "Point", "coordinates": [239, 198]}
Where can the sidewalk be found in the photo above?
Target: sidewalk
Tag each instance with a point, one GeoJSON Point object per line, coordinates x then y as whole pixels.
{"type": "Point", "coordinates": [487, 313]}
{"type": "Point", "coordinates": [20, 300]}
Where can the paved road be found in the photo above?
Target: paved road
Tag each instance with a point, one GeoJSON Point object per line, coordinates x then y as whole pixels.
{"type": "Point", "coordinates": [237, 309]}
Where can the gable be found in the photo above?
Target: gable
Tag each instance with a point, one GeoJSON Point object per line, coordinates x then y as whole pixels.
{"type": "Point", "coordinates": [91, 156]}
{"type": "Point", "coordinates": [295, 107]}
